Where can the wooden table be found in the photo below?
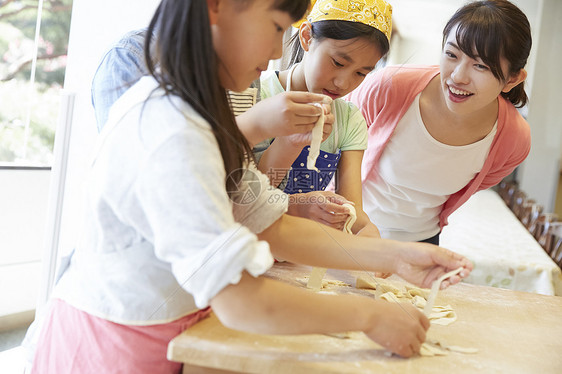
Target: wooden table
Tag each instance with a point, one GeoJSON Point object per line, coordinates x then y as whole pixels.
{"type": "Point", "coordinates": [515, 332]}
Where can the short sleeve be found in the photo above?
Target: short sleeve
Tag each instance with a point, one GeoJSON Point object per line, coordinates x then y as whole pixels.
{"type": "Point", "coordinates": [354, 136]}
{"type": "Point", "coordinates": [121, 67]}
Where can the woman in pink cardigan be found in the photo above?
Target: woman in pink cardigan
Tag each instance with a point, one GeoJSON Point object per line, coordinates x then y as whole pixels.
{"type": "Point", "coordinates": [438, 134]}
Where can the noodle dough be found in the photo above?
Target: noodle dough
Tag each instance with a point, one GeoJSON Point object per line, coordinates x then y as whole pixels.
{"type": "Point", "coordinates": [439, 315]}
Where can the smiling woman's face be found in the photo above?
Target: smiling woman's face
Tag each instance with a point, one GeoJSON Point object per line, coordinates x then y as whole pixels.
{"type": "Point", "coordinates": [467, 83]}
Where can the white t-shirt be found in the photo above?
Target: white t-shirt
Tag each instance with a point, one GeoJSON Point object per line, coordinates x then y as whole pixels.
{"type": "Point", "coordinates": [416, 175]}
{"type": "Point", "coordinates": [161, 237]}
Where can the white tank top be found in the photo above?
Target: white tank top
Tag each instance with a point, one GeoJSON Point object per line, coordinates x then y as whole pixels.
{"type": "Point", "coordinates": [416, 175]}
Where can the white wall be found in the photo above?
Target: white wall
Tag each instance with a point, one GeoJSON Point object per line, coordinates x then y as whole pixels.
{"type": "Point", "coordinates": [419, 25]}
{"type": "Point", "coordinates": [23, 203]}
{"type": "Point", "coordinates": [95, 26]}
{"type": "Point", "coordinates": [540, 172]}
{"type": "Point", "coordinates": [23, 207]}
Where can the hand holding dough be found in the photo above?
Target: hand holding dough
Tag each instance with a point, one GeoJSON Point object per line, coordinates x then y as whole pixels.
{"type": "Point", "coordinates": [351, 219]}
{"type": "Point", "coordinates": [438, 315]}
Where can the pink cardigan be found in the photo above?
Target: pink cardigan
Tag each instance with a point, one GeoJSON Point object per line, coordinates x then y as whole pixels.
{"type": "Point", "coordinates": [386, 95]}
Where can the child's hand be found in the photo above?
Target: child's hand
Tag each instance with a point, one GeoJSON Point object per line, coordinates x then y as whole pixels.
{"type": "Point", "coordinates": [301, 139]}
{"type": "Point", "coordinates": [399, 327]}
{"type": "Point", "coordinates": [320, 206]}
{"type": "Point", "coordinates": [328, 121]}
{"type": "Point", "coordinates": [285, 114]}
{"type": "Point", "coordinates": [423, 263]}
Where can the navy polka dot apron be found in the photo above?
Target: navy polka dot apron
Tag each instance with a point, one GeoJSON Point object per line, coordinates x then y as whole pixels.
{"type": "Point", "coordinates": [301, 179]}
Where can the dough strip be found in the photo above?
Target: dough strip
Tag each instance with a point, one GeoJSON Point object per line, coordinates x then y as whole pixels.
{"type": "Point", "coordinates": [434, 288]}
{"type": "Point", "coordinates": [317, 132]}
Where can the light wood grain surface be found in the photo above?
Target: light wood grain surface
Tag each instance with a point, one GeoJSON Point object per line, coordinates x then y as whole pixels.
{"type": "Point", "coordinates": [515, 332]}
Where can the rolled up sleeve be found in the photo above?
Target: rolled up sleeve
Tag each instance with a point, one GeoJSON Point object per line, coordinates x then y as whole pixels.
{"type": "Point", "coordinates": [188, 216]}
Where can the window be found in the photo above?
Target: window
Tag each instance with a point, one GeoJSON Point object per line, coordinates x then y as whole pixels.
{"type": "Point", "coordinates": [33, 45]}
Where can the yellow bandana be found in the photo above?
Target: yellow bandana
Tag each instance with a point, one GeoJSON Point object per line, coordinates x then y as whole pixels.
{"type": "Point", "coordinates": [374, 13]}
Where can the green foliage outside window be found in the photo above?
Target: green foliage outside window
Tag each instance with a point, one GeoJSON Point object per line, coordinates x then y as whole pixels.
{"type": "Point", "coordinates": [17, 97]}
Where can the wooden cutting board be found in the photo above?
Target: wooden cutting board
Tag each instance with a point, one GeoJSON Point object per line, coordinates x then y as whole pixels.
{"type": "Point", "coordinates": [515, 332]}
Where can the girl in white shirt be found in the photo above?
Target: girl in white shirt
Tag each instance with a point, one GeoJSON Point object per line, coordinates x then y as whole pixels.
{"type": "Point", "coordinates": [175, 221]}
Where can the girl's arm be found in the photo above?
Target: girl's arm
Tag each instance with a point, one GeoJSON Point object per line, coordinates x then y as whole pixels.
{"type": "Point", "coordinates": [307, 242]}
{"type": "Point", "coordinates": [277, 159]}
{"type": "Point", "coordinates": [349, 186]}
{"type": "Point", "coordinates": [261, 305]}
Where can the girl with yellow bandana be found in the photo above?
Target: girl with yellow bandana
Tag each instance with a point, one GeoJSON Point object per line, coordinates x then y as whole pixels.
{"type": "Point", "coordinates": [336, 46]}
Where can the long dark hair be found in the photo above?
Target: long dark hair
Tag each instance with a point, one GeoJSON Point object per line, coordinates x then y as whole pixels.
{"type": "Point", "coordinates": [339, 30]}
{"type": "Point", "coordinates": [188, 68]}
{"type": "Point", "coordinates": [496, 28]}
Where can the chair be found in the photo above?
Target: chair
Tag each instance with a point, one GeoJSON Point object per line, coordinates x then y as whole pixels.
{"type": "Point", "coordinates": [517, 200]}
{"type": "Point", "coordinates": [553, 242]}
{"type": "Point", "coordinates": [542, 224]}
{"type": "Point", "coordinates": [530, 212]}
{"type": "Point", "coordinates": [506, 191]}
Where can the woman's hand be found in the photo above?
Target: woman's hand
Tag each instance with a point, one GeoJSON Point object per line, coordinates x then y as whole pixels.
{"type": "Point", "coordinates": [321, 206]}
{"type": "Point", "coordinates": [423, 263]}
